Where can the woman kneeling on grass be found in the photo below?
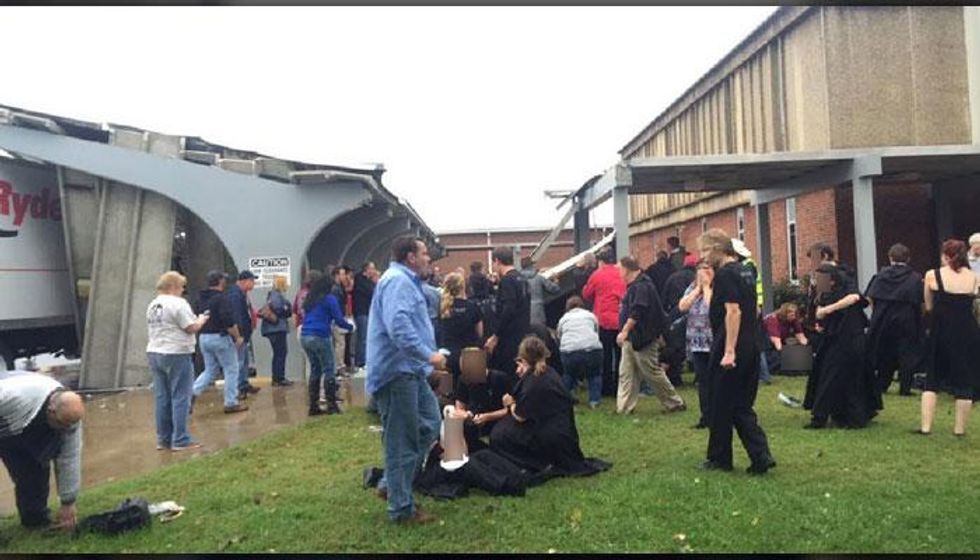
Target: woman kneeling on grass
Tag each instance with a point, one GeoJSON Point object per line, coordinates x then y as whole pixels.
{"type": "Point", "coordinates": [539, 433]}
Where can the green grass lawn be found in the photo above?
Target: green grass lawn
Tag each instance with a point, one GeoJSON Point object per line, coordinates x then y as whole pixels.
{"type": "Point", "coordinates": [298, 490]}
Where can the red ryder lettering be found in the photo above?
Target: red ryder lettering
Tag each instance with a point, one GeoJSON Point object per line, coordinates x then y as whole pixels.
{"type": "Point", "coordinates": [41, 207]}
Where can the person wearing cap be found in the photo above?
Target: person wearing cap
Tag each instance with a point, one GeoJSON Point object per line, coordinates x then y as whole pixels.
{"type": "Point", "coordinates": [40, 424]}
{"type": "Point", "coordinates": [238, 295]}
{"type": "Point", "coordinates": [220, 340]}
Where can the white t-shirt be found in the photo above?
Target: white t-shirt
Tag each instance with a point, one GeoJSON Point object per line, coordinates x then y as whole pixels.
{"type": "Point", "coordinates": [166, 317]}
{"type": "Point", "coordinates": [578, 330]}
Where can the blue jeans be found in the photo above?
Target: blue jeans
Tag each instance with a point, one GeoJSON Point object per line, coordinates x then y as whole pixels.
{"type": "Point", "coordinates": [279, 350]}
{"type": "Point", "coordinates": [360, 350]}
{"type": "Point", "coordinates": [764, 374]}
{"type": "Point", "coordinates": [219, 351]}
{"type": "Point", "coordinates": [242, 366]}
{"type": "Point", "coordinates": [584, 364]}
{"type": "Point", "coordinates": [173, 377]}
{"type": "Point", "coordinates": [411, 419]}
{"type": "Point", "coordinates": [319, 350]}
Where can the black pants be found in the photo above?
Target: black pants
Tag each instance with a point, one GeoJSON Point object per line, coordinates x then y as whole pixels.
{"type": "Point", "coordinates": [701, 363]}
{"type": "Point", "coordinates": [674, 358]}
{"type": "Point", "coordinates": [733, 394]}
{"type": "Point", "coordinates": [27, 457]}
{"type": "Point", "coordinates": [611, 355]}
{"type": "Point", "coordinates": [897, 353]}
{"type": "Point", "coordinates": [279, 349]}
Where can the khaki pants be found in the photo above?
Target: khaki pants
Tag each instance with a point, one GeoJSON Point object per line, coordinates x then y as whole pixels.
{"type": "Point", "coordinates": [636, 366]}
{"type": "Point", "coordinates": [339, 346]}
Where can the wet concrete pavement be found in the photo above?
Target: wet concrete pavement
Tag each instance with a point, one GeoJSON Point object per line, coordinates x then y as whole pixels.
{"type": "Point", "coordinates": [120, 440]}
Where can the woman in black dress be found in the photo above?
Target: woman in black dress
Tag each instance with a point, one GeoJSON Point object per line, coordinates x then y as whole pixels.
{"type": "Point", "coordinates": [539, 433]}
{"type": "Point", "coordinates": [460, 321]}
{"type": "Point", "coordinates": [841, 386]}
{"type": "Point", "coordinates": [954, 337]}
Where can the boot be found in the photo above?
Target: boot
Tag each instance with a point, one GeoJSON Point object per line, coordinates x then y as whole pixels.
{"type": "Point", "coordinates": [314, 396]}
{"type": "Point", "coordinates": [331, 393]}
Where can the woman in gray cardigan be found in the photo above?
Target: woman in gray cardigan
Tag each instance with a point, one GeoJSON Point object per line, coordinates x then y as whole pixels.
{"type": "Point", "coordinates": [276, 331]}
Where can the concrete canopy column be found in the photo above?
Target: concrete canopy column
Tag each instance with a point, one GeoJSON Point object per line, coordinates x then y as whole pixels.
{"type": "Point", "coordinates": [764, 235]}
{"type": "Point", "coordinates": [864, 230]}
{"type": "Point", "coordinates": [621, 220]}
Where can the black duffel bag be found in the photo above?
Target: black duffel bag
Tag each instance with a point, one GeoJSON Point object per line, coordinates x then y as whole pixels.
{"type": "Point", "coordinates": [132, 513]}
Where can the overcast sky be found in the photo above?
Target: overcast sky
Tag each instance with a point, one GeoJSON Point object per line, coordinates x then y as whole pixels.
{"type": "Point", "coordinates": [473, 110]}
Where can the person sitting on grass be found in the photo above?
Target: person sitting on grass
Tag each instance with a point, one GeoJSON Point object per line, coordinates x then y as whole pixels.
{"type": "Point", "coordinates": [539, 431]}
{"type": "Point", "coordinates": [479, 392]}
{"type": "Point", "coordinates": [782, 326]}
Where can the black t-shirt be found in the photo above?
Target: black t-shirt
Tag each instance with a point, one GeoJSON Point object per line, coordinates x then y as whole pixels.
{"type": "Point", "coordinates": [513, 307]}
{"type": "Point", "coordinates": [219, 305]}
{"type": "Point", "coordinates": [731, 286]}
{"type": "Point", "coordinates": [459, 329]}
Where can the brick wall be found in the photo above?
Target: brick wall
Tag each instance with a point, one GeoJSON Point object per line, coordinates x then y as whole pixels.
{"type": "Point", "coordinates": [528, 239]}
{"type": "Point", "coordinates": [903, 213]}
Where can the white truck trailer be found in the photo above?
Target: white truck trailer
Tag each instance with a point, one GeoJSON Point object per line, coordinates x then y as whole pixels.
{"type": "Point", "coordinates": [37, 307]}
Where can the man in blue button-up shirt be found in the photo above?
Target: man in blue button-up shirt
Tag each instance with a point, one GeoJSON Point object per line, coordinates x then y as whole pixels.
{"type": "Point", "coordinates": [401, 353]}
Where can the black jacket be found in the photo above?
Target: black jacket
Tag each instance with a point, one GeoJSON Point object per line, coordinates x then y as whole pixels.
{"type": "Point", "coordinates": [642, 304]}
{"type": "Point", "coordinates": [363, 292]}
{"type": "Point", "coordinates": [222, 313]}
{"type": "Point", "coordinates": [675, 285]}
{"type": "Point", "coordinates": [659, 272]}
{"type": "Point", "coordinates": [478, 286]}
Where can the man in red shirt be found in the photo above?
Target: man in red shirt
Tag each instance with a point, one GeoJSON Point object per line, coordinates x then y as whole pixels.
{"type": "Point", "coordinates": [605, 290]}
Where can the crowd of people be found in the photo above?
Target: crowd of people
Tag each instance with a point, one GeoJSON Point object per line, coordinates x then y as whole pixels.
{"type": "Point", "coordinates": [625, 330]}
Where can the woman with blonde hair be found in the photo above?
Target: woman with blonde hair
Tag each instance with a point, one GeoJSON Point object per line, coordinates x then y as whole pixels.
{"type": "Point", "coordinates": [171, 325]}
{"type": "Point", "coordinates": [460, 321]}
{"type": "Point", "coordinates": [539, 432]}
{"type": "Point", "coordinates": [275, 327]}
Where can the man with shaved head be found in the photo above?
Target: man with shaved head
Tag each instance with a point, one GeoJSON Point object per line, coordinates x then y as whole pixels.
{"type": "Point", "coordinates": [40, 423]}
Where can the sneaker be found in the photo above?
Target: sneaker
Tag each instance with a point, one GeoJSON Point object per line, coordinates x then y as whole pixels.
{"type": "Point", "coordinates": [240, 407]}
{"type": "Point", "coordinates": [252, 389]}
{"type": "Point", "coordinates": [282, 383]}
{"type": "Point", "coordinates": [789, 400]}
{"type": "Point", "coordinates": [418, 518]}
{"type": "Point", "coordinates": [679, 408]}
{"type": "Point", "coordinates": [594, 405]}
{"type": "Point", "coordinates": [191, 445]}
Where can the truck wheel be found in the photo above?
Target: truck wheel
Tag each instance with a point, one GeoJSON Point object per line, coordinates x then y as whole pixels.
{"type": "Point", "coordinates": [6, 357]}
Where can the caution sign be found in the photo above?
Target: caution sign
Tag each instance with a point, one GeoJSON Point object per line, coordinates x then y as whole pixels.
{"type": "Point", "coordinates": [267, 268]}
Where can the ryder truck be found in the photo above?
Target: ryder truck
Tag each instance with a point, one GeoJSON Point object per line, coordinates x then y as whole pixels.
{"type": "Point", "coordinates": [37, 311]}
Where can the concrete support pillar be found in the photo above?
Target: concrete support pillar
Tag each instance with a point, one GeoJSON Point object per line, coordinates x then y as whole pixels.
{"type": "Point", "coordinates": [581, 230]}
{"type": "Point", "coordinates": [763, 234]}
{"type": "Point", "coordinates": [621, 220]}
{"type": "Point", "coordinates": [128, 258]}
{"type": "Point", "coordinates": [864, 229]}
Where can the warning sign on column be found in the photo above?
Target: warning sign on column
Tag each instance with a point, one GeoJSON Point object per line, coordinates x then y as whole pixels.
{"type": "Point", "coordinates": [267, 268]}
